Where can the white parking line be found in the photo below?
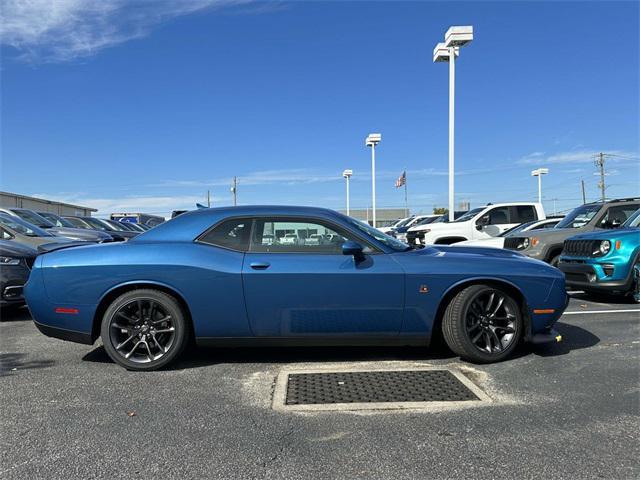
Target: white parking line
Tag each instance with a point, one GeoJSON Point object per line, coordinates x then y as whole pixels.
{"type": "Point", "coordinates": [602, 311]}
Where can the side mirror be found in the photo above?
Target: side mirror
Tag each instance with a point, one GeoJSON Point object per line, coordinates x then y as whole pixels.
{"type": "Point", "coordinates": [354, 249]}
{"type": "Point", "coordinates": [482, 222]}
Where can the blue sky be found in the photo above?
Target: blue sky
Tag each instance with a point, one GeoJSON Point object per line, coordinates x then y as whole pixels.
{"type": "Point", "coordinates": [144, 106]}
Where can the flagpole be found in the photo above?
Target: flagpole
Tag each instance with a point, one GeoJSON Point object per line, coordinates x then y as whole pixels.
{"type": "Point", "coordinates": [406, 203]}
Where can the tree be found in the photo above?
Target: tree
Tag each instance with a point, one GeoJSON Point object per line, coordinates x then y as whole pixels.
{"type": "Point", "coordinates": [440, 211]}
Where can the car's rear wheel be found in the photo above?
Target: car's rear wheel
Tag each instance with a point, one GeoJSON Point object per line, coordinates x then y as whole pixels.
{"type": "Point", "coordinates": [635, 284]}
{"type": "Point", "coordinates": [144, 330]}
{"type": "Point", "coordinates": [482, 324]}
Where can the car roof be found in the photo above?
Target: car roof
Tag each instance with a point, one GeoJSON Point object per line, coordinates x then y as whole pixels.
{"type": "Point", "coordinates": [189, 225]}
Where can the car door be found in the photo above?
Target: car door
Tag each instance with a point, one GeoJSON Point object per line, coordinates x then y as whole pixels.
{"type": "Point", "coordinates": [302, 287]}
{"type": "Point", "coordinates": [494, 222]}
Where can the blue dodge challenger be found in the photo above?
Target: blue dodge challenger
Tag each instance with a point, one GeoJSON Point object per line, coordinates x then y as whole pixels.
{"type": "Point", "coordinates": [293, 276]}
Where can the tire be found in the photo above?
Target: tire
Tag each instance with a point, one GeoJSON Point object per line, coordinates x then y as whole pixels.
{"type": "Point", "coordinates": [471, 317]}
{"type": "Point", "coordinates": [634, 294]}
{"type": "Point", "coordinates": [144, 330]}
{"type": "Point", "coordinates": [554, 261]}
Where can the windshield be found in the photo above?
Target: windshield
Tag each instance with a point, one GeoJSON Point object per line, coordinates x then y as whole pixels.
{"type": "Point", "coordinates": [56, 220]}
{"type": "Point", "coordinates": [633, 221]}
{"type": "Point", "coordinates": [426, 221]}
{"type": "Point", "coordinates": [368, 230]}
{"type": "Point", "coordinates": [517, 228]}
{"type": "Point", "coordinates": [96, 223]}
{"type": "Point", "coordinates": [403, 222]}
{"type": "Point", "coordinates": [470, 214]}
{"type": "Point", "coordinates": [22, 227]}
{"type": "Point", "coordinates": [115, 225]}
{"type": "Point", "coordinates": [580, 216]}
{"type": "Point", "coordinates": [127, 226]}
{"type": "Point", "coordinates": [33, 218]}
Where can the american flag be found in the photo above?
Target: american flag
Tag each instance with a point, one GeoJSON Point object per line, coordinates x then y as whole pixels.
{"type": "Point", "coordinates": [402, 179]}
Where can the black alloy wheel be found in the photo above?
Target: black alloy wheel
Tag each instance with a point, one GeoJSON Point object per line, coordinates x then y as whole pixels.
{"type": "Point", "coordinates": [483, 324]}
{"type": "Point", "coordinates": [144, 330]}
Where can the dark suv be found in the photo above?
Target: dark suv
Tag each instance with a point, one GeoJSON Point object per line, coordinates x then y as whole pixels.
{"type": "Point", "coordinates": [547, 244]}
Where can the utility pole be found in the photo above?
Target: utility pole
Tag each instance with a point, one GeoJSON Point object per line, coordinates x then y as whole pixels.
{"type": "Point", "coordinates": [600, 164]}
{"type": "Point", "coordinates": [584, 197]}
{"type": "Point", "coordinates": [234, 190]}
{"type": "Point", "coordinates": [209, 198]}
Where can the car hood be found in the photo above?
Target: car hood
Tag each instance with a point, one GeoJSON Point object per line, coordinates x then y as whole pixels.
{"type": "Point", "coordinates": [439, 226]}
{"type": "Point", "coordinates": [9, 248]}
{"type": "Point", "coordinates": [617, 233]}
{"type": "Point", "coordinates": [547, 233]}
{"type": "Point", "coordinates": [486, 252]}
{"type": "Point", "coordinates": [80, 234]}
{"type": "Point", "coordinates": [493, 242]}
{"type": "Point", "coordinates": [474, 261]}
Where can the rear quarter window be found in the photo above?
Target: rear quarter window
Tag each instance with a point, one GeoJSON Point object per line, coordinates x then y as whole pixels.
{"type": "Point", "coordinates": [233, 234]}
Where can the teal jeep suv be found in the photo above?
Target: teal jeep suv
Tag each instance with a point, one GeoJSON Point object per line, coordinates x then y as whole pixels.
{"type": "Point", "coordinates": [606, 261]}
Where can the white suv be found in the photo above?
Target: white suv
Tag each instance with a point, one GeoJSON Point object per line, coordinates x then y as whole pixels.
{"type": "Point", "coordinates": [482, 222]}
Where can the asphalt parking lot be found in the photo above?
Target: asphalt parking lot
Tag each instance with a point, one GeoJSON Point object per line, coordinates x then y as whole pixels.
{"type": "Point", "coordinates": [570, 410]}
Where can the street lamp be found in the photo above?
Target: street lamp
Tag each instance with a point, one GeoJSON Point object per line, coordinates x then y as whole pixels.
{"type": "Point", "coordinates": [538, 172]}
{"type": "Point", "coordinates": [372, 140]}
{"type": "Point", "coordinates": [447, 51]}
{"type": "Point", "coordinates": [347, 175]}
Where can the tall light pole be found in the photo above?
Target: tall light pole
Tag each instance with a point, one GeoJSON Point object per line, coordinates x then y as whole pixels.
{"type": "Point", "coordinates": [234, 190]}
{"type": "Point", "coordinates": [347, 175]}
{"type": "Point", "coordinates": [447, 51]}
{"type": "Point", "coordinates": [372, 140]}
{"type": "Point", "coordinates": [538, 172]}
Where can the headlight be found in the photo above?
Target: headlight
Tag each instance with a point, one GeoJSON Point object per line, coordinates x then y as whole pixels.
{"type": "Point", "coordinates": [426, 230]}
{"type": "Point", "coordinates": [603, 248]}
{"type": "Point", "coordinates": [9, 261]}
{"type": "Point", "coordinates": [534, 241]}
{"type": "Point", "coordinates": [524, 244]}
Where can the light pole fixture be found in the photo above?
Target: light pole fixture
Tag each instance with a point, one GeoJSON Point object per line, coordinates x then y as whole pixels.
{"type": "Point", "coordinates": [447, 51]}
{"type": "Point", "coordinates": [347, 175]}
{"type": "Point", "coordinates": [372, 140]}
{"type": "Point", "coordinates": [538, 172]}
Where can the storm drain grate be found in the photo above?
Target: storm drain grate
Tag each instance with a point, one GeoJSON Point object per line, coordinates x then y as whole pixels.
{"type": "Point", "coordinates": [376, 387]}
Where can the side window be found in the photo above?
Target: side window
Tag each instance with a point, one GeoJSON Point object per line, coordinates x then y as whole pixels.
{"type": "Point", "coordinates": [617, 215]}
{"type": "Point", "coordinates": [499, 216]}
{"type": "Point", "coordinates": [523, 214]}
{"type": "Point", "coordinates": [545, 225]}
{"type": "Point", "coordinates": [5, 235]}
{"type": "Point", "coordinates": [281, 235]}
{"type": "Point", "coordinates": [233, 234]}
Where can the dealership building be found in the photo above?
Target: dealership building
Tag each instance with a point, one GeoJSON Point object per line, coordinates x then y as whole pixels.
{"type": "Point", "coordinates": [15, 200]}
{"type": "Point", "coordinates": [384, 216]}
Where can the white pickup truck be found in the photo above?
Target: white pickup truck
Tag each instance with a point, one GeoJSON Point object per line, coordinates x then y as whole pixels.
{"type": "Point", "coordinates": [483, 222]}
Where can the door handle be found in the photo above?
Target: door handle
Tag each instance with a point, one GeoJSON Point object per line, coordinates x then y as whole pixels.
{"type": "Point", "coordinates": [259, 265]}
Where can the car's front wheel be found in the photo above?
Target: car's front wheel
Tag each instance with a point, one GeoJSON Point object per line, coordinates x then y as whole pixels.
{"type": "Point", "coordinates": [482, 324]}
{"type": "Point", "coordinates": [144, 330]}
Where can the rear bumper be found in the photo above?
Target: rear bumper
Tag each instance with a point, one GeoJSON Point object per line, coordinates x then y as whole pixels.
{"type": "Point", "coordinates": [64, 334]}
{"type": "Point", "coordinates": [585, 276]}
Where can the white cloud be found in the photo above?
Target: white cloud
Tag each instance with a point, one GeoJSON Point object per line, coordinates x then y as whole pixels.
{"type": "Point", "coordinates": [63, 30]}
{"type": "Point", "coordinates": [572, 157]}
{"type": "Point", "coordinates": [265, 177]}
{"type": "Point", "coordinates": [159, 205]}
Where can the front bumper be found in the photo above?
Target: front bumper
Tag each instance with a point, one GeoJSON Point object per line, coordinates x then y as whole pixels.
{"type": "Point", "coordinates": [552, 336]}
{"type": "Point", "coordinates": [585, 276]}
{"type": "Point", "coordinates": [12, 280]}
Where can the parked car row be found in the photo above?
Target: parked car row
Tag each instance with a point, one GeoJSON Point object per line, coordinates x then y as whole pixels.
{"type": "Point", "coordinates": [25, 233]}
